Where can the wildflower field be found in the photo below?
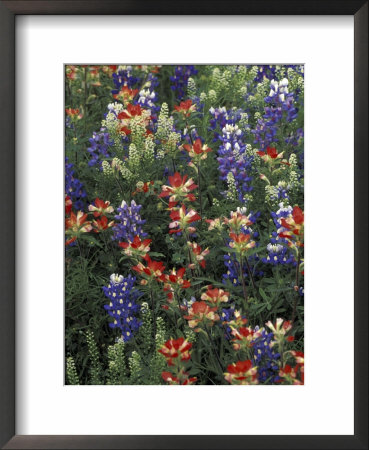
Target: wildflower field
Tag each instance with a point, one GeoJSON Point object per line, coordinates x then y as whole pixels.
{"type": "Point", "coordinates": [184, 224]}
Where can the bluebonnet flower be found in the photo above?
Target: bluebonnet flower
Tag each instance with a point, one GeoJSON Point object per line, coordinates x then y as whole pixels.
{"type": "Point", "coordinates": [124, 77]}
{"type": "Point", "coordinates": [180, 78]}
{"type": "Point", "coordinates": [147, 96]}
{"type": "Point", "coordinates": [233, 271]}
{"type": "Point", "coordinates": [128, 223]}
{"type": "Point", "coordinates": [265, 72]}
{"type": "Point", "coordinates": [73, 186]}
{"type": "Point", "coordinates": [233, 268]}
{"type": "Point", "coordinates": [227, 315]}
{"type": "Point", "coordinates": [122, 305]}
{"type": "Point", "coordinates": [230, 260]}
{"type": "Point", "coordinates": [265, 357]}
{"type": "Point", "coordinates": [278, 251]}
{"type": "Point", "coordinates": [234, 160]}
{"type": "Point", "coordinates": [280, 106]}
{"type": "Point", "coordinates": [100, 147]}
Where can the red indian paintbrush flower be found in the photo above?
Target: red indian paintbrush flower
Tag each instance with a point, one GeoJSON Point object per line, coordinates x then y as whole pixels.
{"type": "Point", "coordinates": [102, 224]}
{"type": "Point", "coordinates": [183, 380]}
{"type": "Point", "coordinates": [199, 254]}
{"type": "Point", "coordinates": [201, 313]}
{"type": "Point", "coordinates": [271, 156]}
{"type": "Point", "coordinates": [294, 227]}
{"type": "Point", "coordinates": [185, 108]}
{"type": "Point", "coordinates": [293, 375]}
{"type": "Point", "coordinates": [75, 225]}
{"type": "Point", "coordinates": [176, 277]}
{"type": "Point", "coordinates": [197, 151]}
{"type": "Point", "coordinates": [176, 350]}
{"type": "Point", "coordinates": [241, 242]}
{"type": "Point", "coordinates": [100, 208]}
{"type": "Point", "coordinates": [270, 153]}
{"type": "Point", "coordinates": [243, 337]}
{"type": "Point", "coordinates": [137, 247]}
{"type": "Point", "coordinates": [126, 94]}
{"type": "Point", "coordinates": [153, 270]}
{"type": "Point", "coordinates": [130, 111]}
{"type": "Point", "coordinates": [241, 372]}
{"type": "Point", "coordinates": [181, 219]}
{"type": "Point", "coordinates": [179, 189]}
{"type": "Point", "coordinates": [174, 280]}
{"type": "Point", "coordinates": [74, 113]}
{"type": "Point", "coordinates": [238, 220]}
{"type": "Point", "coordinates": [215, 296]}
{"type": "Point", "coordinates": [68, 205]}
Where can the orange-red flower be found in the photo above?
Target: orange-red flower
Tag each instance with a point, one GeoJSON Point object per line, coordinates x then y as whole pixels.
{"type": "Point", "coordinates": [185, 108]}
{"type": "Point", "coordinates": [130, 111]}
{"type": "Point", "coordinates": [73, 113]}
{"type": "Point", "coordinates": [240, 242]}
{"type": "Point", "coordinates": [294, 225]}
{"type": "Point", "coordinates": [215, 224]}
{"type": "Point", "coordinates": [238, 219]}
{"type": "Point", "coordinates": [102, 224]}
{"type": "Point", "coordinates": [153, 270]}
{"type": "Point", "coordinates": [143, 187]}
{"type": "Point", "coordinates": [215, 296]}
{"type": "Point", "coordinates": [201, 313]}
{"type": "Point", "coordinates": [137, 247]}
{"type": "Point", "coordinates": [75, 225]}
{"type": "Point", "coordinates": [181, 219]}
{"type": "Point", "coordinates": [270, 154]}
{"type": "Point", "coordinates": [176, 350]}
{"type": "Point", "coordinates": [184, 379]}
{"type": "Point", "coordinates": [71, 72]}
{"type": "Point", "coordinates": [272, 157]}
{"type": "Point", "coordinates": [241, 372]}
{"type": "Point", "coordinates": [100, 208]}
{"type": "Point", "coordinates": [126, 94]}
{"type": "Point", "coordinates": [68, 205]}
{"type": "Point", "coordinates": [174, 280]}
{"type": "Point", "coordinates": [198, 254]}
{"type": "Point", "coordinates": [243, 337]}
{"type": "Point", "coordinates": [179, 189]}
{"type": "Point", "coordinates": [197, 151]}
{"type": "Point", "coordinates": [176, 277]}
{"type": "Point", "coordinates": [293, 375]}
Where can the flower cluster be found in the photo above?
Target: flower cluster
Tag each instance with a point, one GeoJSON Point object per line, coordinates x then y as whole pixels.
{"type": "Point", "coordinates": [180, 78]}
{"type": "Point", "coordinates": [73, 186]}
{"type": "Point", "coordinates": [122, 305]}
{"type": "Point", "coordinates": [100, 147]}
{"type": "Point", "coordinates": [211, 249]}
{"type": "Point", "coordinates": [234, 162]}
{"type": "Point", "coordinates": [177, 354]}
{"type": "Point", "coordinates": [242, 372]}
{"type": "Point", "coordinates": [128, 223]}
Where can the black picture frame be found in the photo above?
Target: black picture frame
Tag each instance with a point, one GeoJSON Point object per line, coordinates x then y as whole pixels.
{"type": "Point", "coordinates": [8, 11]}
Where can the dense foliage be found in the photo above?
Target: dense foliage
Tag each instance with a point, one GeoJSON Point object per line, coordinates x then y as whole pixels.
{"type": "Point", "coordinates": [184, 224]}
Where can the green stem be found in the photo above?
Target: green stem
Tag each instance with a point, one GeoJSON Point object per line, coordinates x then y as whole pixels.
{"type": "Point", "coordinates": [213, 348]}
{"type": "Point", "coordinates": [250, 273]}
{"type": "Point", "coordinates": [297, 284]}
{"type": "Point", "coordinates": [200, 194]}
{"type": "Point", "coordinates": [243, 282]}
{"type": "Point", "coordinates": [153, 314]}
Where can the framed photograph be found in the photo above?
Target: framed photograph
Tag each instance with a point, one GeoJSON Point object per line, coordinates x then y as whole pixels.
{"type": "Point", "coordinates": [189, 262]}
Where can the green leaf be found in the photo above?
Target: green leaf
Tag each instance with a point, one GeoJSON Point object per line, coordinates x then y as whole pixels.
{"type": "Point", "coordinates": [157, 254]}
